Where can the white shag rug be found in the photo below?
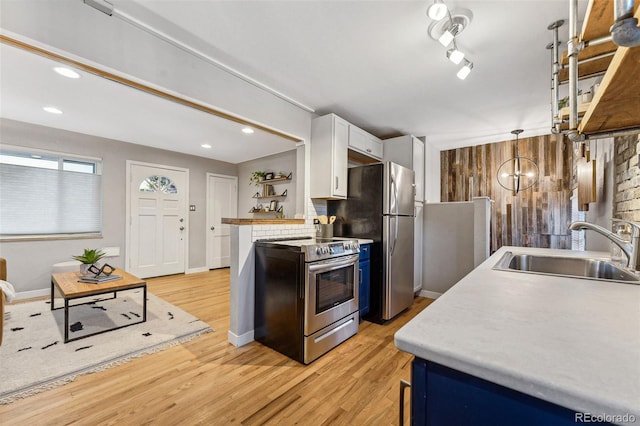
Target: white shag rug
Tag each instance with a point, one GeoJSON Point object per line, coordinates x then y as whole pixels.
{"type": "Point", "coordinates": [34, 357]}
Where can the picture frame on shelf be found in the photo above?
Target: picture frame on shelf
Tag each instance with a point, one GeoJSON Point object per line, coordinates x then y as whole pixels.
{"type": "Point", "coordinates": [273, 206]}
{"type": "Point", "coordinates": [268, 176]}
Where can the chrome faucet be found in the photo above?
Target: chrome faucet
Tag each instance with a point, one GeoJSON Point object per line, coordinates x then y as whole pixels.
{"type": "Point", "coordinates": [630, 249]}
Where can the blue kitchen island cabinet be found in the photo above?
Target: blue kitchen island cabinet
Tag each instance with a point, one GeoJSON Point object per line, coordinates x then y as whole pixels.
{"type": "Point", "coordinates": [444, 396]}
{"type": "Point", "coordinates": [364, 285]}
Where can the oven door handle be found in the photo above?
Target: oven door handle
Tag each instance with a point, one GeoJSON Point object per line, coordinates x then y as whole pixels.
{"type": "Point", "coordinates": [330, 265]}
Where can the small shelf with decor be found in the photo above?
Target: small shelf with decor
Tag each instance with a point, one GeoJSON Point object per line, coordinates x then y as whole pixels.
{"type": "Point", "coordinates": [266, 180]}
{"type": "Point", "coordinates": [256, 210]}
{"type": "Point", "coordinates": [260, 197]}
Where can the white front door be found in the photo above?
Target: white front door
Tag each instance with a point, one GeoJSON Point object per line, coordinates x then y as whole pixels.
{"type": "Point", "coordinates": [158, 221]}
{"type": "Point", "coordinates": [222, 201]}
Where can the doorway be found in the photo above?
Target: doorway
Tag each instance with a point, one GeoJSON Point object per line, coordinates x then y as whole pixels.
{"type": "Point", "coordinates": [222, 201]}
{"type": "Point", "coordinates": [157, 220]}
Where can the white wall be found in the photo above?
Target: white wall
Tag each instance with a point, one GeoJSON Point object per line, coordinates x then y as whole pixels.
{"type": "Point", "coordinates": [29, 262]}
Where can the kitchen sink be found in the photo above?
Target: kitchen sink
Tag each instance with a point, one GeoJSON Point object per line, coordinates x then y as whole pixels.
{"type": "Point", "coordinates": [594, 269]}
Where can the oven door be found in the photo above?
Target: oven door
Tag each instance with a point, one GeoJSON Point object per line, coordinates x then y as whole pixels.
{"type": "Point", "coordinates": [331, 291]}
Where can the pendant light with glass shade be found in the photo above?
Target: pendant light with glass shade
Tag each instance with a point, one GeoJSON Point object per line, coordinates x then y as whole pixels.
{"type": "Point", "coordinates": [518, 173]}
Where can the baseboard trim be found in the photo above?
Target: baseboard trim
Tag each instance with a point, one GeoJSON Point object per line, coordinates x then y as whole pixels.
{"type": "Point", "coordinates": [429, 294]}
{"type": "Point", "coordinates": [32, 294]}
{"type": "Point", "coordinates": [241, 340]}
{"type": "Point", "coordinates": [196, 270]}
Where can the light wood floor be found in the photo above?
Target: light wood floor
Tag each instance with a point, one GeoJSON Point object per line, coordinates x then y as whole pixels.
{"type": "Point", "coordinates": [210, 382]}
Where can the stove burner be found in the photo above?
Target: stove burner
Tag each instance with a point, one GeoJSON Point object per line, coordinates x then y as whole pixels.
{"type": "Point", "coordinates": [317, 248]}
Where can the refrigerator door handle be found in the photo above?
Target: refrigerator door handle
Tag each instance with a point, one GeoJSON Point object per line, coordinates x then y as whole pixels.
{"type": "Point", "coordinates": [395, 236]}
{"type": "Point", "coordinates": [395, 196]}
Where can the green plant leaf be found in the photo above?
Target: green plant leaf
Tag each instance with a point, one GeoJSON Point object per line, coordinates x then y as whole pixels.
{"type": "Point", "coordinates": [90, 256]}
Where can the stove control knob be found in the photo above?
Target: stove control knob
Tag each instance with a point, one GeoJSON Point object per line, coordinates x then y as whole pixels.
{"type": "Point", "coordinates": [347, 246]}
{"type": "Point", "coordinates": [318, 250]}
{"type": "Point", "coordinates": [355, 245]}
{"type": "Point", "coordinates": [326, 250]}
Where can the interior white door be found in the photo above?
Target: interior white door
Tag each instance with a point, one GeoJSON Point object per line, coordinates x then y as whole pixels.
{"type": "Point", "coordinates": [222, 201]}
{"type": "Point", "coordinates": [158, 220]}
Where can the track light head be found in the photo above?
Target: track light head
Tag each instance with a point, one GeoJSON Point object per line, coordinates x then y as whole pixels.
{"type": "Point", "coordinates": [465, 70]}
{"type": "Point", "coordinates": [437, 10]}
{"type": "Point", "coordinates": [455, 55]}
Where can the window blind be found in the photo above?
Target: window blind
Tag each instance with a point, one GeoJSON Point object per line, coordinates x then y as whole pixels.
{"type": "Point", "coordinates": [36, 201]}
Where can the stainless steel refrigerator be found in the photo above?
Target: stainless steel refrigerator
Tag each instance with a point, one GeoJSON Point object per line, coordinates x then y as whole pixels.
{"type": "Point", "coordinates": [380, 207]}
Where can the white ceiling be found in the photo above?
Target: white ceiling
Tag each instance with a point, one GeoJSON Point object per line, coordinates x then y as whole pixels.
{"type": "Point", "coordinates": [370, 62]}
{"type": "Point", "coordinates": [112, 110]}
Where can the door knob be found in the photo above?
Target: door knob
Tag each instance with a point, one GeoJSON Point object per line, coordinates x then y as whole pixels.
{"type": "Point", "coordinates": [181, 219]}
{"type": "Point", "coordinates": [182, 228]}
{"type": "Point", "coordinates": [213, 227]}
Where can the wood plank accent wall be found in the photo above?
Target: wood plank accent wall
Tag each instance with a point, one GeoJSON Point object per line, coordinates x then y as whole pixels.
{"type": "Point", "coordinates": [536, 217]}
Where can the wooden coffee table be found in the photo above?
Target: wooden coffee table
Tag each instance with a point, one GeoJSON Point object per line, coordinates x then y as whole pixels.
{"type": "Point", "coordinates": [70, 289]}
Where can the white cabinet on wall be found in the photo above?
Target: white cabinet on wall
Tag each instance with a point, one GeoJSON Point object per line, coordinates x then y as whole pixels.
{"type": "Point", "coordinates": [408, 151]}
{"type": "Point", "coordinates": [364, 142]}
{"type": "Point", "coordinates": [329, 145]}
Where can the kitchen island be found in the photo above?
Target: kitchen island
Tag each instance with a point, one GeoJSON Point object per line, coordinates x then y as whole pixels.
{"type": "Point", "coordinates": [522, 344]}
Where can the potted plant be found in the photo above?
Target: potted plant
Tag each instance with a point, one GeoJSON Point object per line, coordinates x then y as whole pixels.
{"type": "Point", "coordinates": [256, 177]}
{"type": "Point", "coordinates": [88, 258]}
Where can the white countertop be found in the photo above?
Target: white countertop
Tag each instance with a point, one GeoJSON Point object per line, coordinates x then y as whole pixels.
{"type": "Point", "coordinates": [360, 240]}
{"type": "Point", "coordinates": [574, 342]}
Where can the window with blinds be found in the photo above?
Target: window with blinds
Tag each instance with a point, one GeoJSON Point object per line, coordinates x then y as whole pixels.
{"type": "Point", "coordinates": [45, 194]}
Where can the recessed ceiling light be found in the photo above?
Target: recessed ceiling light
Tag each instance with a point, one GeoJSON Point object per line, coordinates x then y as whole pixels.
{"type": "Point", "coordinates": [66, 72]}
{"type": "Point", "coordinates": [52, 110]}
{"type": "Point", "coordinates": [247, 130]}
{"type": "Point", "coordinates": [206, 145]}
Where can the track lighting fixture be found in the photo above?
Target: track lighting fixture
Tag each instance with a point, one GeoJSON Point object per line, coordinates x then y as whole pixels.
{"type": "Point", "coordinates": [446, 27]}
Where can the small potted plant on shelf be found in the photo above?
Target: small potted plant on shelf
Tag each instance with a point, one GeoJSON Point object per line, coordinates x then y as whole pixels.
{"type": "Point", "coordinates": [256, 177]}
{"type": "Point", "coordinates": [88, 258]}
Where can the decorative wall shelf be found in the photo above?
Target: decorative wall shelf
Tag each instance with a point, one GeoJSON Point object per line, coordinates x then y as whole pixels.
{"type": "Point", "coordinates": [269, 193]}
{"type": "Point", "coordinates": [260, 197]}
{"type": "Point", "coordinates": [615, 105]}
{"type": "Point", "coordinates": [278, 179]}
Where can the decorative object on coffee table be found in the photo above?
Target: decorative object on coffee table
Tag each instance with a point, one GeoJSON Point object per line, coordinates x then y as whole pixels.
{"type": "Point", "coordinates": [88, 258]}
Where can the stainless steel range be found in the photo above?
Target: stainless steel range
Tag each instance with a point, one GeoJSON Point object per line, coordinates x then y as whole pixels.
{"type": "Point", "coordinates": [306, 295]}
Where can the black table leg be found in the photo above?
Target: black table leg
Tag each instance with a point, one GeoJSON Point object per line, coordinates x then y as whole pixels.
{"type": "Point", "coordinates": [144, 304]}
{"type": "Point", "coordinates": [66, 320]}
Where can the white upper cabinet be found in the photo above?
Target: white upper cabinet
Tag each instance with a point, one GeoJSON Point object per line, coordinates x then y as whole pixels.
{"type": "Point", "coordinates": [408, 151]}
{"type": "Point", "coordinates": [329, 145]}
{"type": "Point", "coordinates": [365, 143]}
